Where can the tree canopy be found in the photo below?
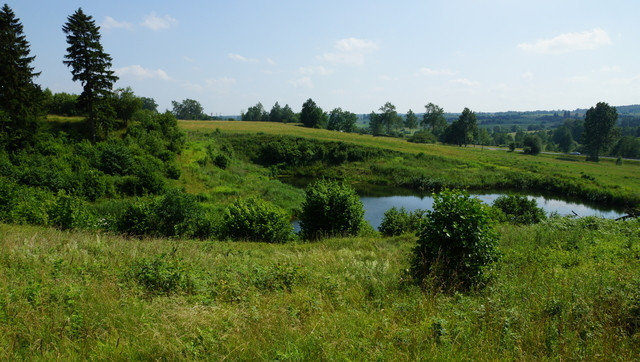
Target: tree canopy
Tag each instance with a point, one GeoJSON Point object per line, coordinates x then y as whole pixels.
{"type": "Point", "coordinates": [20, 98]}
{"type": "Point", "coordinates": [312, 116]}
{"type": "Point", "coordinates": [91, 66]}
{"type": "Point", "coordinates": [599, 124]}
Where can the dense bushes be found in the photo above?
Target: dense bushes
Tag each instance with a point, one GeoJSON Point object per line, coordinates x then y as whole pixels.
{"type": "Point", "coordinates": [519, 209]}
{"type": "Point", "coordinates": [456, 242]}
{"type": "Point", "coordinates": [331, 208]}
{"type": "Point", "coordinates": [399, 221]}
{"type": "Point", "coordinates": [268, 150]}
{"type": "Point", "coordinates": [173, 214]}
{"type": "Point", "coordinates": [256, 220]}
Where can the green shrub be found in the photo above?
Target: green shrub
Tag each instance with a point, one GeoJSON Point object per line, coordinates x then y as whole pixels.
{"type": "Point", "coordinates": [161, 275]}
{"type": "Point", "coordinates": [519, 209]}
{"type": "Point", "coordinates": [423, 137]}
{"type": "Point", "coordinates": [69, 212]}
{"type": "Point", "coordinates": [331, 208]}
{"type": "Point", "coordinates": [256, 220]}
{"type": "Point", "coordinates": [173, 214]}
{"type": "Point", "coordinates": [456, 242]}
{"type": "Point", "coordinates": [399, 221]}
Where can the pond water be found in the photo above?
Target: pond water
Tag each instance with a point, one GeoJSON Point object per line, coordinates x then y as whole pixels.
{"type": "Point", "coordinates": [375, 206]}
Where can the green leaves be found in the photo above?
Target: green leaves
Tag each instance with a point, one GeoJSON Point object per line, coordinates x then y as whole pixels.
{"type": "Point", "coordinates": [456, 242]}
{"type": "Point", "coordinates": [331, 208]}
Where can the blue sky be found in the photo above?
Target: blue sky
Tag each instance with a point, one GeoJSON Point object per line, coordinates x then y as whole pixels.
{"type": "Point", "coordinates": [488, 55]}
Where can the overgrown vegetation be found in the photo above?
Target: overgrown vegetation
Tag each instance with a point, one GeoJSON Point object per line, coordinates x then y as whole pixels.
{"type": "Point", "coordinates": [565, 288]}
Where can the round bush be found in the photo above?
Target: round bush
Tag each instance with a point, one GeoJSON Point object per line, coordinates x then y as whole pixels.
{"type": "Point", "coordinates": [456, 242]}
{"type": "Point", "coordinates": [519, 209]}
{"type": "Point", "coordinates": [399, 221]}
{"type": "Point", "coordinates": [331, 208]}
{"type": "Point", "coordinates": [256, 220]}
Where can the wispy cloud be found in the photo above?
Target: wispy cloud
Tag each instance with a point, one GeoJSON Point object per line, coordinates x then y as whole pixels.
{"type": "Point", "coordinates": [528, 76]}
{"type": "Point", "coordinates": [304, 82]}
{"type": "Point", "coordinates": [568, 42]}
{"type": "Point", "coordinates": [433, 72]}
{"type": "Point", "coordinates": [111, 23]}
{"type": "Point", "coordinates": [139, 72]}
{"type": "Point", "coordinates": [155, 22]}
{"type": "Point", "coordinates": [240, 58]}
{"type": "Point", "coordinates": [317, 70]}
{"type": "Point", "coordinates": [271, 61]}
{"type": "Point", "coordinates": [350, 51]}
{"type": "Point", "coordinates": [465, 82]}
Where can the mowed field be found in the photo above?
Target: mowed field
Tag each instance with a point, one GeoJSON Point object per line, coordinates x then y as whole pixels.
{"type": "Point", "coordinates": [624, 179]}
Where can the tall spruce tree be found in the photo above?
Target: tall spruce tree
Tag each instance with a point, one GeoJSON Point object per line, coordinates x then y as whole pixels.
{"type": "Point", "coordinates": [20, 98]}
{"type": "Point", "coordinates": [91, 66]}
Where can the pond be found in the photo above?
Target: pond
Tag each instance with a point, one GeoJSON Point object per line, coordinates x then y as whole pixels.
{"type": "Point", "coordinates": [375, 206]}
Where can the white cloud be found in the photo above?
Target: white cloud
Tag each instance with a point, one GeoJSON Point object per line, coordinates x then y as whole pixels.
{"type": "Point", "coordinates": [242, 59]}
{"type": "Point", "coordinates": [271, 61]}
{"type": "Point", "coordinates": [137, 71]}
{"type": "Point", "coordinates": [611, 69]}
{"type": "Point", "coordinates": [155, 22]}
{"type": "Point", "coordinates": [433, 72]}
{"type": "Point", "coordinates": [568, 42]}
{"type": "Point", "coordinates": [111, 23]}
{"type": "Point", "coordinates": [578, 79]}
{"type": "Point", "coordinates": [304, 82]}
{"type": "Point", "coordinates": [388, 78]}
{"type": "Point", "coordinates": [465, 82]}
{"type": "Point", "coordinates": [528, 76]}
{"type": "Point", "coordinates": [355, 45]}
{"type": "Point", "coordinates": [319, 70]}
{"type": "Point", "coordinates": [350, 51]}
{"type": "Point", "coordinates": [220, 84]}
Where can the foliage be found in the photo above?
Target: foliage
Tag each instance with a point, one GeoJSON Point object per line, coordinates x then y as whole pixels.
{"type": "Point", "coordinates": [256, 113]}
{"type": "Point", "coordinates": [188, 109]}
{"type": "Point", "coordinates": [91, 66]}
{"type": "Point", "coordinates": [254, 219]}
{"type": "Point", "coordinates": [172, 214]}
{"type": "Point", "coordinates": [532, 145]}
{"type": "Point", "coordinates": [411, 120]}
{"type": "Point", "coordinates": [343, 121]}
{"type": "Point", "coordinates": [312, 116]}
{"type": "Point", "coordinates": [69, 212]}
{"type": "Point", "coordinates": [386, 122]}
{"type": "Point", "coordinates": [330, 208]}
{"type": "Point", "coordinates": [160, 275]}
{"type": "Point", "coordinates": [456, 243]}
{"type": "Point", "coordinates": [461, 132]}
{"type": "Point", "coordinates": [399, 221]}
{"type": "Point", "coordinates": [20, 98]}
{"type": "Point", "coordinates": [422, 137]}
{"type": "Point", "coordinates": [599, 126]}
{"type": "Point", "coordinates": [519, 209]}
{"type": "Point", "coordinates": [434, 118]}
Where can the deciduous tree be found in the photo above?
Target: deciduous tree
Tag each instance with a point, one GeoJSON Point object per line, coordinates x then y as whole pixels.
{"type": "Point", "coordinates": [599, 126]}
{"type": "Point", "coordinates": [312, 116]}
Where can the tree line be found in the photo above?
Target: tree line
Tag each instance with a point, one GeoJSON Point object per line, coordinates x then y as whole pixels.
{"type": "Point", "coordinates": [595, 135]}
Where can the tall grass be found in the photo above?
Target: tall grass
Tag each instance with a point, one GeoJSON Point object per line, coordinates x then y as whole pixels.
{"type": "Point", "coordinates": [565, 289]}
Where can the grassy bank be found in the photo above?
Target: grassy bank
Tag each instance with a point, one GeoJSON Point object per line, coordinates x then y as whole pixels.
{"type": "Point", "coordinates": [564, 289]}
{"type": "Point", "coordinates": [426, 167]}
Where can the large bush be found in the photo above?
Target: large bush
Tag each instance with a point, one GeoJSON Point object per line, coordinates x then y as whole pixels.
{"type": "Point", "coordinates": [519, 209]}
{"type": "Point", "coordinates": [256, 220]}
{"type": "Point", "coordinates": [331, 208]}
{"type": "Point", "coordinates": [399, 221]}
{"type": "Point", "coordinates": [456, 242]}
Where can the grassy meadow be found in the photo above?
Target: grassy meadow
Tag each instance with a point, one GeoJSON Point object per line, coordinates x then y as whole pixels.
{"type": "Point", "coordinates": [458, 167]}
{"type": "Point", "coordinates": [565, 289]}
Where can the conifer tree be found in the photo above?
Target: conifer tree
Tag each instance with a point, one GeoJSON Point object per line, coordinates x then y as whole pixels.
{"type": "Point", "coordinates": [20, 98]}
{"type": "Point", "coordinates": [91, 66]}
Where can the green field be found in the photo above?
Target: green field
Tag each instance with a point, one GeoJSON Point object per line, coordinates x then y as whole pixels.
{"type": "Point", "coordinates": [465, 167]}
{"type": "Point", "coordinates": [565, 289]}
